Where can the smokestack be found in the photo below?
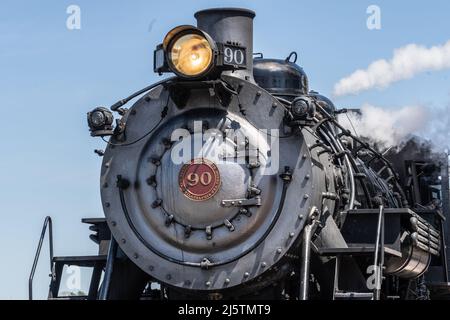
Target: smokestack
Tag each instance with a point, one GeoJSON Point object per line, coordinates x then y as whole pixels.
{"type": "Point", "coordinates": [230, 24]}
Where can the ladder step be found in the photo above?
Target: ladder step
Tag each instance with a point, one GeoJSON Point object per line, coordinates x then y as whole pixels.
{"type": "Point", "coordinates": [81, 261]}
{"type": "Point", "coordinates": [354, 295]}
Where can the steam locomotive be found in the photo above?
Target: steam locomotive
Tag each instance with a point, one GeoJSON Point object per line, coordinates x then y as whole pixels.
{"type": "Point", "coordinates": [233, 180]}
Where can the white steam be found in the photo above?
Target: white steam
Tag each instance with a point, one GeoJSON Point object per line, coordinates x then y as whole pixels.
{"type": "Point", "coordinates": [406, 63]}
{"type": "Point", "coordinates": [386, 128]}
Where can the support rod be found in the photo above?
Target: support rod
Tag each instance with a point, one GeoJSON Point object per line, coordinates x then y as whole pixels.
{"type": "Point", "coordinates": [112, 252]}
{"type": "Point", "coordinates": [379, 242]}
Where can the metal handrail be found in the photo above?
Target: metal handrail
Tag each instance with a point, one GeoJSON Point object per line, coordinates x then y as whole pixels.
{"type": "Point", "coordinates": [379, 253]}
{"type": "Point", "coordinates": [47, 223]}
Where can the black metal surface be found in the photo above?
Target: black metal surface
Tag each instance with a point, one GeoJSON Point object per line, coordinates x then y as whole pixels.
{"type": "Point", "coordinates": [360, 229]}
{"type": "Point", "coordinates": [100, 229]}
{"type": "Point", "coordinates": [81, 261]}
{"type": "Point", "coordinates": [281, 77]}
{"type": "Point", "coordinates": [109, 269]}
{"type": "Point", "coordinates": [445, 227]}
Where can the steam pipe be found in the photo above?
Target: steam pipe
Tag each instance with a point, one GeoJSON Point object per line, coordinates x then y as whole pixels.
{"type": "Point", "coordinates": [350, 171]}
{"type": "Point", "coordinates": [305, 262]}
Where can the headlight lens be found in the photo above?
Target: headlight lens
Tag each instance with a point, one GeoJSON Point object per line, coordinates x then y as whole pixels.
{"type": "Point", "coordinates": [191, 54]}
{"type": "Point", "coordinates": [98, 119]}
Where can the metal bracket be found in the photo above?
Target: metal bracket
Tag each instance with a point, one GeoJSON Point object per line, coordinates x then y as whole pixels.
{"type": "Point", "coordinates": [256, 201]}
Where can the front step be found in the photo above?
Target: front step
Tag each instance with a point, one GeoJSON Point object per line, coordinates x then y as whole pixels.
{"type": "Point", "coordinates": [353, 295]}
{"type": "Point", "coordinates": [81, 261]}
{"type": "Point", "coordinates": [71, 298]}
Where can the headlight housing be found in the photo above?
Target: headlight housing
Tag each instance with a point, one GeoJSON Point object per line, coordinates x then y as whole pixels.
{"type": "Point", "coordinates": [100, 122]}
{"type": "Point", "coordinates": [303, 108]}
{"type": "Point", "coordinates": [191, 53]}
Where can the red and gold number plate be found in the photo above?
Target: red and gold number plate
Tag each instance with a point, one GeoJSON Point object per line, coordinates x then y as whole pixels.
{"type": "Point", "coordinates": [199, 180]}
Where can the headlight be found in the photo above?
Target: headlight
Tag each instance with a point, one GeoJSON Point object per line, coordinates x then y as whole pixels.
{"type": "Point", "coordinates": [190, 55]}
{"type": "Point", "coordinates": [98, 119]}
{"type": "Point", "coordinates": [100, 122]}
{"type": "Point", "coordinates": [187, 51]}
{"type": "Point", "coordinates": [302, 108]}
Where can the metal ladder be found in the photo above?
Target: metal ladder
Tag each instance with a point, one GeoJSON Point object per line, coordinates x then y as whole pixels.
{"type": "Point", "coordinates": [378, 265]}
{"type": "Point", "coordinates": [57, 264]}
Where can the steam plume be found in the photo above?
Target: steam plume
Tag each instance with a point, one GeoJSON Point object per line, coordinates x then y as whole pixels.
{"type": "Point", "coordinates": [389, 128]}
{"type": "Point", "coordinates": [406, 63]}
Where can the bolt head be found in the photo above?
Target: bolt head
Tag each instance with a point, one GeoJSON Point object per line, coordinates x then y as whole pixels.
{"type": "Point", "coordinates": [246, 275]}
{"type": "Point", "coordinates": [208, 284]}
{"type": "Point", "coordinates": [279, 250]}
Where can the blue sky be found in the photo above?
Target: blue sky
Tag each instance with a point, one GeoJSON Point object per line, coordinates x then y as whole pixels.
{"type": "Point", "coordinates": [51, 76]}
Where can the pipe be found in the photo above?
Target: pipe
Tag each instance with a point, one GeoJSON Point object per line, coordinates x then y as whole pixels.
{"type": "Point", "coordinates": [306, 260]}
{"type": "Point", "coordinates": [350, 173]}
{"type": "Point", "coordinates": [123, 102]}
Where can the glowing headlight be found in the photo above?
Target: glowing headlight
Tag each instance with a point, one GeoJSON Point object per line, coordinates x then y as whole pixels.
{"type": "Point", "coordinates": [187, 51]}
{"type": "Point", "coordinates": [190, 54]}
